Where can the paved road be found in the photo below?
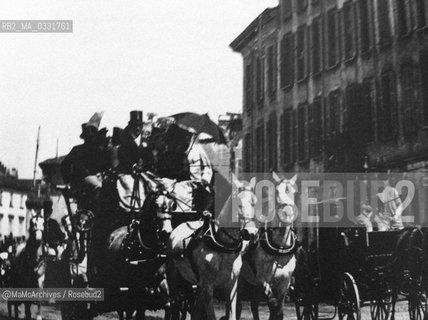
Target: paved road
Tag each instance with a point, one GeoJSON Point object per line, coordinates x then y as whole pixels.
{"type": "Point", "coordinates": [51, 312]}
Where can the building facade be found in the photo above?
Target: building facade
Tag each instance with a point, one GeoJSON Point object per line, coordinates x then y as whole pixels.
{"type": "Point", "coordinates": [14, 214]}
{"type": "Point", "coordinates": [336, 85]}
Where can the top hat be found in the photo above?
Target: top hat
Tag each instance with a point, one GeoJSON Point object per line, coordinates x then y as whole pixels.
{"type": "Point", "coordinates": [136, 117]}
{"type": "Point", "coordinates": [87, 131]}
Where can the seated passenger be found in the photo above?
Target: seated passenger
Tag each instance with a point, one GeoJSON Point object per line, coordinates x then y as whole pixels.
{"type": "Point", "coordinates": [82, 167]}
{"type": "Point", "coordinates": [389, 215]}
{"type": "Point", "coordinates": [185, 160]}
{"type": "Point", "coordinates": [364, 219]}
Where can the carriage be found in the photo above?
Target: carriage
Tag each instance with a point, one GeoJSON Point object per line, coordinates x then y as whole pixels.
{"type": "Point", "coordinates": [131, 268]}
{"type": "Point", "coordinates": [138, 247]}
{"type": "Point", "coordinates": [349, 268]}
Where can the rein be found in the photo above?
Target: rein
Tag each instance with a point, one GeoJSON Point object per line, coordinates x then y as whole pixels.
{"type": "Point", "coordinates": [213, 241]}
{"type": "Point", "coordinates": [270, 248]}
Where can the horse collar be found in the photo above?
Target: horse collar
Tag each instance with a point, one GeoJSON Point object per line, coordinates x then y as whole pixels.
{"type": "Point", "coordinates": [270, 248]}
{"type": "Point", "coordinates": [214, 243]}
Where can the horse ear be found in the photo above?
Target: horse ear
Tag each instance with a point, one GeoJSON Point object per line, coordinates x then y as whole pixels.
{"type": "Point", "coordinates": [294, 179]}
{"type": "Point", "coordinates": [276, 177]}
{"type": "Point", "coordinates": [253, 182]}
{"type": "Point", "coordinates": [235, 182]}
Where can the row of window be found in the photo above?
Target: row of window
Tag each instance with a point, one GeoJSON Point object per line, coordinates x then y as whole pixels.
{"type": "Point", "coordinates": [404, 8]}
{"type": "Point", "coordinates": [11, 218]}
{"type": "Point", "coordinates": [303, 52]}
{"type": "Point", "coordinates": [21, 206]}
{"type": "Point", "coordinates": [362, 110]}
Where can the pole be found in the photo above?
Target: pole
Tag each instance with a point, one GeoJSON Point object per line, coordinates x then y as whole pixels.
{"type": "Point", "coordinates": [35, 159]}
{"type": "Point", "coordinates": [57, 142]}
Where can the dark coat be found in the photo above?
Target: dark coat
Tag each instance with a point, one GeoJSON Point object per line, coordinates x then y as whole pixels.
{"type": "Point", "coordinates": [173, 165]}
{"type": "Point", "coordinates": [54, 235]}
{"type": "Point", "coordinates": [82, 161]}
{"type": "Point", "coordinates": [129, 152]}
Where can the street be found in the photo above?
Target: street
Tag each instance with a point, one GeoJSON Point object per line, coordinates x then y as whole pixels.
{"type": "Point", "coordinates": [50, 312]}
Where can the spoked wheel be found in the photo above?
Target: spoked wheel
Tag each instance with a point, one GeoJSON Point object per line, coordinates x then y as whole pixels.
{"type": "Point", "coordinates": [417, 306]}
{"type": "Point", "coordinates": [305, 304]}
{"type": "Point", "coordinates": [306, 311]}
{"type": "Point", "coordinates": [381, 309]}
{"type": "Point", "coordinates": [349, 301]}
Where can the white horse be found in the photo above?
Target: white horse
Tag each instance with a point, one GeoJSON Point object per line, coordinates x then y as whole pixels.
{"type": "Point", "coordinates": [269, 265]}
{"type": "Point", "coordinates": [208, 255]}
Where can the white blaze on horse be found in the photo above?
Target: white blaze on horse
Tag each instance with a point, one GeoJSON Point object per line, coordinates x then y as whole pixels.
{"type": "Point", "coordinates": [270, 264]}
{"type": "Point", "coordinates": [208, 255]}
{"type": "Point", "coordinates": [29, 266]}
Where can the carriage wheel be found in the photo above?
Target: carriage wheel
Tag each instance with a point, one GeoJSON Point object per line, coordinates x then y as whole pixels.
{"type": "Point", "coordinates": [349, 301]}
{"type": "Point", "coordinates": [380, 309]}
{"type": "Point", "coordinates": [306, 307]}
{"type": "Point", "coordinates": [306, 311]}
{"type": "Point", "coordinates": [417, 306]}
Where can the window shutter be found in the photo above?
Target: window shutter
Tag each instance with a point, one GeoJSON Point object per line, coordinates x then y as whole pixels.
{"type": "Point", "coordinates": [384, 25]}
{"type": "Point", "coordinates": [423, 62]}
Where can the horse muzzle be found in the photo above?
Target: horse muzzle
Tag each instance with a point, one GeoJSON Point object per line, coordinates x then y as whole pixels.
{"type": "Point", "coordinates": [248, 234]}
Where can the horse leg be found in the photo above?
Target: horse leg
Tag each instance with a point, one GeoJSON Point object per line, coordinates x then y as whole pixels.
{"type": "Point", "coordinates": [197, 311]}
{"type": "Point", "coordinates": [204, 307]}
{"type": "Point", "coordinates": [39, 312]}
{"type": "Point", "coordinates": [16, 307]}
{"type": "Point", "coordinates": [233, 294]}
{"type": "Point", "coordinates": [164, 288]}
{"type": "Point", "coordinates": [140, 314]}
{"type": "Point", "coordinates": [120, 314]}
{"type": "Point", "coordinates": [277, 313]}
{"type": "Point", "coordinates": [393, 302]}
{"type": "Point", "coordinates": [129, 313]}
{"type": "Point", "coordinates": [269, 294]}
{"type": "Point", "coordinates": [239, 302]}
{"type": "Point", "coordinates": [9, 310]}
{"type": "Point", "coordinates": [254, 303]}
{"type": "Point", "coordinates": [227, 311]}
{"type": "Point", "coordinates": [27, 306]}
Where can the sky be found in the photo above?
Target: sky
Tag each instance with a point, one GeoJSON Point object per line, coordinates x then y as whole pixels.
{"type": "Point", "coordinates": [162, 56]}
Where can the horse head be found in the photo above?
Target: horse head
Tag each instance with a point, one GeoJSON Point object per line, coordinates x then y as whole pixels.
{"type": "Point", "coordinates": [285, 207]}
{"type": "Point", "coordinates": [245, 202]}
{"type": "Point", "coordinates": [37, 227]}
{"type": "Point", "coordinates": [156, 212]}
{"type": "Point", "coordinates": [164, 205]}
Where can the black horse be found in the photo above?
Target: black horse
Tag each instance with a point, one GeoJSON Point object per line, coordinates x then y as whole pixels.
{"type": "Point", "coordinates": [28, 266]}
